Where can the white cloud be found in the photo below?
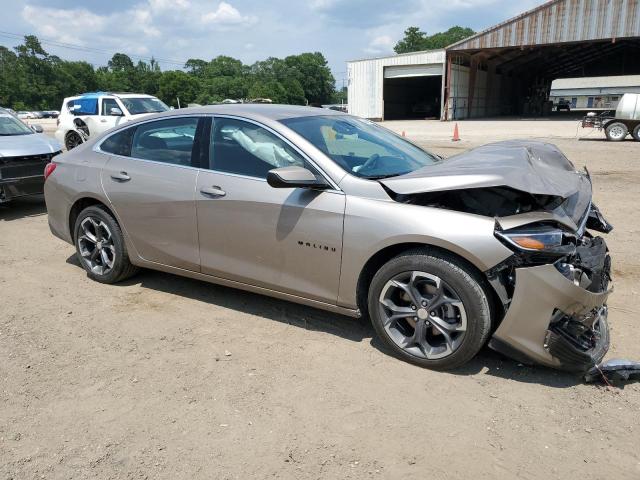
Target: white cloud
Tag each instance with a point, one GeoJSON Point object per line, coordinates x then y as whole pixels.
{"type": "Point", "coordinates": [169, 5]}
{"type": "Point", "coordinates": [226, 14]}
{"type": "Point", "coordinates": [380, 44]}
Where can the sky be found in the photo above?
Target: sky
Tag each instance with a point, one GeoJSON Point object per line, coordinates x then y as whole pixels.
{"type": "Point", "coordinates": [175, 30]}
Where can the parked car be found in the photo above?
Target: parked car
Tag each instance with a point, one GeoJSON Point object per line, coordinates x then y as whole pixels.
{"type": "Point", "coordinates": [24, 154]}
{"type": "Point", "coordinates": [626, 119]}
{"type": "Point", "coordinates": [94, 113]}
{"type": "Point", "coordinates": [49, 114]}
{"type": "Point", "coordinates": [325, 209]}
{"type": "Point", "coordinates": [23, 115]}
{"type": "Point", "coordinates": [563, 105]}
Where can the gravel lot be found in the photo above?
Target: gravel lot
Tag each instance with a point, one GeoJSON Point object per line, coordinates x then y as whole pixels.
{"type": "Point", "coordinates": [169, 378]}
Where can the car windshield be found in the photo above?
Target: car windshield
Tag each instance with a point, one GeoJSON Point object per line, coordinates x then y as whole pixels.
{"type": "Point", "coordinates": [136, 106]}
{"type": "Point", "coordinates": [10, 125]}
{"type": "Point", "coordinates": [360, 146]}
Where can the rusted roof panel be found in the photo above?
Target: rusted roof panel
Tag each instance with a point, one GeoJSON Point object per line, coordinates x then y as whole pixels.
{"type": "Point", "coordinates": [560, 21]}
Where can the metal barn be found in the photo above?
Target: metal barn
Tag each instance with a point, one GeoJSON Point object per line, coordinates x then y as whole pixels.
{"type": "Point", "coordinates": [508, 69]}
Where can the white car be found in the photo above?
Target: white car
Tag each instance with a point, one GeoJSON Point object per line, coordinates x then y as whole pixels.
{"type": "Point", "coordinates": [94, 113]}
{"type": "Point", "coordinates": [22, 115]}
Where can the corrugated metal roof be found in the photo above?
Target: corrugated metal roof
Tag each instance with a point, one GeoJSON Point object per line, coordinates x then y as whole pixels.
{"type": "Point", "coordinates": [393, 59]}
{"type": "Point", "coordinates": [560, 21]}
{"type": "Point", "coordinates": [596, 82]}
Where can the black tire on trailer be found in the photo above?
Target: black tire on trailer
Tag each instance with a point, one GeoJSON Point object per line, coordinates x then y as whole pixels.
{"type": "Point", "coordinates": [616, 131]}
{"type": "Point", "coordinates": [636, 133]}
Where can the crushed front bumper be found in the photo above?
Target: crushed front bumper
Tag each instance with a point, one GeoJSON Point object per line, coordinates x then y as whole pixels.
{"type": "Point", "coordinates": [556, 317]}
{"type": "Point", "coordinates": [22, 176]}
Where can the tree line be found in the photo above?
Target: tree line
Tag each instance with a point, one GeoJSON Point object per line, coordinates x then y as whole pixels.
{"type": "Point", "coordinates": [416, 40]}
{"type": "Point", "coordinates": [32, 79]}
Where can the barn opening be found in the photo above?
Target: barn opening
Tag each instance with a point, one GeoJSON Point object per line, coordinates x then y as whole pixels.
{"type": "Point", "coordinates": [412, 92]}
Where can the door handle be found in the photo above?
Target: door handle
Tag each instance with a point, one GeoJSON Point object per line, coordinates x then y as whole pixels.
{"type": "Point", "coordinates": [120, 177]}
{"type": "Point", "coordinates": [103, 120]}
{"type": "Point", "coordinates": [213, 191]}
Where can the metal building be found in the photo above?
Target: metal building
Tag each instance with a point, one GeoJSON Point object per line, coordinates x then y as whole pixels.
{"type": "Point", "coordinates": [508, 69]}
{"type": "Point", "coordinates": [593, 93]}
{"type": "Point", "coordinates": [401, 86]}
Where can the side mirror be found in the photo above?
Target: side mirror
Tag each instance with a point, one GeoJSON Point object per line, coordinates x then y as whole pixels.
{"type": "Point", "coordinates": [294, 177]}
{"type": "Point", "coordinates": [37, 128]}
{"type": "Point", "coordinates": [116, 112]}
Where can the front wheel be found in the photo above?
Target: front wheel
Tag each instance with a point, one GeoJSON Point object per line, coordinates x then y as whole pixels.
{"type": "Point", "coordinates": [429, 309]}
{"type": "Point", "coordinates": [616, 131]}
{"type": "Point", "coordinates": [100, 246]}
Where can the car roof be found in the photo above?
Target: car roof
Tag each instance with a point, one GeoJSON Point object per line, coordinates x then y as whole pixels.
{"type": "Point", "coordinates": [256, 111]}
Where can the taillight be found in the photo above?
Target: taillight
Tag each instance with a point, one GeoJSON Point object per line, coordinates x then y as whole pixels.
{"type": "Point", "coordinates": [48, 169]}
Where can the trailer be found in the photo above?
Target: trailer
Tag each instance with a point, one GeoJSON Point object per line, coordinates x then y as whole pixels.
{"type": "Point", "coordinates": [625, 121]}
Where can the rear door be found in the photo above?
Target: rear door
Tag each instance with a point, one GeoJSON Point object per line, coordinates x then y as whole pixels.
{"type": "Point", "coordinates": [150, 180]}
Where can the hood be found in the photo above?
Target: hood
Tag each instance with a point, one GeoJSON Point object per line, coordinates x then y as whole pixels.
{"type": "Point", "coordinates": [528, 166]}
{"type": "Point", "coordinates": [513, 181]}
{"type": "Point", "coordinates": [32, 144]}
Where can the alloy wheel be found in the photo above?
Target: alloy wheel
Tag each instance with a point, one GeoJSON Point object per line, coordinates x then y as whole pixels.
{"type": "Point", "coordinates": [72, 141]}
{"type": "Point", "coordinates": [96, 245]}
{"type": "Point", "coordinates": [423, 315]}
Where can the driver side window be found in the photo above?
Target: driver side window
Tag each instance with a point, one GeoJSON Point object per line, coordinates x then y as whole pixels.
{"type": "Point", "coordinates": [244, 148]}
{"type": "Point", "coordinates": [108, 104]}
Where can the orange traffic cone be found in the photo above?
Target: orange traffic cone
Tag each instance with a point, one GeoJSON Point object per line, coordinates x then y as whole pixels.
{"type": "Point", "coordinates": [456, 134]}
{"type": "Point", "coordinates": [403, 134]}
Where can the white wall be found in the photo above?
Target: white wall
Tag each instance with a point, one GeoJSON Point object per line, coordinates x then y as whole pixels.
{"type": "Point", "coordinates": [366, 79]}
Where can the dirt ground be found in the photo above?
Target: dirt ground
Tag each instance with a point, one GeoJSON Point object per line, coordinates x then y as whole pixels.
{"type": "Point", "coordinates": [169, 378]}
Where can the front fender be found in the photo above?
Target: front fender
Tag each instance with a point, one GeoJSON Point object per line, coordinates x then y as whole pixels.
{"type": "Point", "coordinates": [372, 225]}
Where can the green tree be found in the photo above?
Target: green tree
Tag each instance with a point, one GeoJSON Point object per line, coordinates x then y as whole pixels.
{"type": "Point", "coordinates": [313, 74]}
{"type": "Point", "coordinates": [177, 84]}
{"type": "Point", "coordinates": [415, 40]}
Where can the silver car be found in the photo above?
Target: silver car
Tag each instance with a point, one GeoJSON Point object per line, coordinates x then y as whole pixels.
{"type": "Point", "coordinates": [24, 154]}
{"type": "Point", "coordinates": [324, 209]}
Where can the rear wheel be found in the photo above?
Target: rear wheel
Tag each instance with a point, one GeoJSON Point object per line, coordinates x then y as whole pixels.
{"type": "Point", "coordinates": [100, 246]}
{"type": "Point", "coordinates": [72, 140]}
{"type": "Point", "coordinates": [616, 131]}
{"type": "Point", "coordinates": [636, 133]}
{"type": "Point", "coordinates": [429, 310]}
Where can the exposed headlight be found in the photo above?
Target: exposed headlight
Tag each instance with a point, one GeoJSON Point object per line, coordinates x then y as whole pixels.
{"type": "Point", "coordinates": [533, 239]}
{"type": "Point", "coordinates": [541, 238]}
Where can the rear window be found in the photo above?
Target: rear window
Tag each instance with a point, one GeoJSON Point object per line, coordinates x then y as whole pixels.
{"type": "Point", "coordinates": [119, 143]}
{"type": "Point", "coordinates": [83, 106]}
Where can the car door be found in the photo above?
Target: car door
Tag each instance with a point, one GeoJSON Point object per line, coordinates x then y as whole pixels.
{"type": "Point", "coordinates": [289, 239]}
{"type": "Point", "coordinates": [106, 120]}
{"type": "Point", "coordinates": [150, 180]}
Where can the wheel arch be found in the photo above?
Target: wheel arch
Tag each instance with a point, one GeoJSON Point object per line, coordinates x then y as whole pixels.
{"type": "Point", "coordinates": [79, 205]}
{"type": "Point", "coordinates": [382, 256]}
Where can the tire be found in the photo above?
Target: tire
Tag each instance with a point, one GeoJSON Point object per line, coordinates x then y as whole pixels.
{"type": "Point", "coordinates": [105, 258]}
{"type": "Point", "coordinates": [616, 131]}
{"type": "Point", "coordinates": [636, 133]}
{"type": "Point", "coordinates": [469, 311]}
{"type": "Point", "coordinates": [72, 140]}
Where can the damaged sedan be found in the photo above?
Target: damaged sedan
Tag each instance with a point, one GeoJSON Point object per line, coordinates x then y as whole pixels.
{"type": "Point", "coordinates": [24, 154]}
{"type": "Point", "coordinates": [497, 245]}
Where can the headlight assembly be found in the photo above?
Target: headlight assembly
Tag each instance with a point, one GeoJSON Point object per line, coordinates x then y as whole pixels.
{"type": "Point", "coordinates": [535, 239]}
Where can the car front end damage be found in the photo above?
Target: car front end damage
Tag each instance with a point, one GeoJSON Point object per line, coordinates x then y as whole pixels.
{"type": "Point", "coordinates": [552, 291]}
{"type": "Point", "coordinates": [555, 314]}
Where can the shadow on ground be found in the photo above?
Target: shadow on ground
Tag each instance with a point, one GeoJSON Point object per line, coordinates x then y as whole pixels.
{"type": "Point", "coordinates": [23, 208]}
{"type": "Point", "coordinates": [487, 362]}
